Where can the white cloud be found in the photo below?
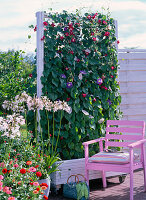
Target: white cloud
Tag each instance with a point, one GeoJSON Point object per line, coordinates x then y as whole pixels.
{"type": "Point", "coordinates": [137, 40]}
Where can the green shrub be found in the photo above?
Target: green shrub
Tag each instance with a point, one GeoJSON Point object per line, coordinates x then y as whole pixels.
{"type": "Point", "coordinates": [16, 75]}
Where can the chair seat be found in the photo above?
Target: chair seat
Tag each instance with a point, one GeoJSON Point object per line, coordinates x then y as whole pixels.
{"type": "Point", "coordinates": [113, 157]}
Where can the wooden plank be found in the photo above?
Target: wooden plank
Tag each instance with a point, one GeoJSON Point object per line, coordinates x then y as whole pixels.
{"type": "Point", "coordinates": [131, 50]}
{"type": "Point", "coordinates": [132, 76]}
{"type": "Point", "coordinates": [124, 137]}
{"type": "Point", "coordinates": [132, 56]}
{"type": "Point", "coordinates": [134, 67]}
{"type": "Point", "coordinates": [132, 98]}
{"type": "Point", "coordinates": [133, 87]}
{"type": "Point", "coordinates": [125, 129]}
{"type": "Point", "coordinates": [117, 144]}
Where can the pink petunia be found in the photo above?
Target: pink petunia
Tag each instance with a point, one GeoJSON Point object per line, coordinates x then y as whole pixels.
{"type": "Point", "coordinates": [11, 198]}
{"type": "Point", "coordinates": [16, 165]}
{"type": "Point", "coordinates": [35, 183]}
{"type": "Point", "coordinates": [1, 177]}
{"type": "Point", "coordinates": [32, 169]}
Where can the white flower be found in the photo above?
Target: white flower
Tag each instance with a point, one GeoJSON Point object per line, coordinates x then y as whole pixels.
{"type": "Point", "coordinates": [101, 120]}
{"type": "Point", "coordinates": [80, 76]}
{"type": "Point", "coordinates": [85, 112]}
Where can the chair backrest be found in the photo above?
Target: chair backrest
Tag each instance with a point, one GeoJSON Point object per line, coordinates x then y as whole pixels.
{"type": "Point", "coordinates": [121, 133]}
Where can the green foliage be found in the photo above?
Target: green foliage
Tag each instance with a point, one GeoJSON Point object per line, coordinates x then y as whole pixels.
{"type": "Point", "coordinates": [82, 191]}
{"type": "Point", "coordinates": [81, 68]}
{"type": "Point", "coordinates": [16, 75]}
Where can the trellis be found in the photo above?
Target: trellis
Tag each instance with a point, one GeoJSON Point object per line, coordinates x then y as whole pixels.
{"type": "Point", "coordinates": [40, 48]}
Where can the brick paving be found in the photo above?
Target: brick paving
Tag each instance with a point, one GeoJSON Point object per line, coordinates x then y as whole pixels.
{"type": "Point", "coordinates": [114, 191]}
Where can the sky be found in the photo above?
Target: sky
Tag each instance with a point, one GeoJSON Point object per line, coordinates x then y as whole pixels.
{"type": "Point", "coordinates": [16, 16]}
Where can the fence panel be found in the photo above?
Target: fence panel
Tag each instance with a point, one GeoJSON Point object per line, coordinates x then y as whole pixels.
{"type": "Point", "coordinates": [132, 77]}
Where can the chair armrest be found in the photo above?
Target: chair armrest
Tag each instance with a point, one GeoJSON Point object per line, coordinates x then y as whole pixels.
{"type": "Point", "coordinates": [134, 144]}
{"type": "Point", "coordinates": [94, 141]}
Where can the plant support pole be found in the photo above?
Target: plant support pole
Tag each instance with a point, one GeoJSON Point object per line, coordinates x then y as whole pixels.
{"type": "Point", "coordinates": [40, 57]}
{"type": "Point", "coordinates": [40, 51]}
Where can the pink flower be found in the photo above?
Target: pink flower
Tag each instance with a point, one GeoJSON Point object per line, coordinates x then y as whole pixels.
{"type": "Point", "coordinates": [99, 21]}
{"type": "Point", "coordinates": [11, 198]}
{"type": "Point", "coordinates": [16, 165]}
{"type": "Point", "coordinates": [94, 38]}
{"type": "Point", "coordinates": [104, 22]}
{"type": "Point", "coordinates": [32, 169]}
{"type": "Point", "coordinates": [106, 33]}
{"type": "Point", "coordinates": [112, 68]}
{"type": "Point", "coordinates": [2, 164]}
{"type": "Point", "coordinates": [35, 183]}
{"type": "Point", "coordinates": [1, 177]}
{"type": "Point", "coordinates": [72, 52]}
{"type": "Point", "coordinates": [118, 41]}
{"type": "Point", "coordinates": [1, 183]}
{"type": "Point", "coordinates": [5, 189]}
{"type": "Point", "coordinates": [92, 33]}
{"type": "Point", "coordinates": [1, 188]}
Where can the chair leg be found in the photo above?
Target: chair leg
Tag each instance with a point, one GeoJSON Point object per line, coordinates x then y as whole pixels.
{"type": "Point", "coordinates": [144, 168]}
{"type": "Point", "coordinates": [87, 175]}
{"type": "Point", "coordinates": [104, 179]}
{"type": "Point", "coordinates": [131, 185]}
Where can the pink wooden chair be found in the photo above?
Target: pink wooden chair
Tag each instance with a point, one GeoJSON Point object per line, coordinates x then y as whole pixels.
{"type": "Point", "coordinates": [127, 132]}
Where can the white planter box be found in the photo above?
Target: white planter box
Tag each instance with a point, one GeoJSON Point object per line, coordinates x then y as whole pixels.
{"type": "Point", "coordinates": [74, 166]}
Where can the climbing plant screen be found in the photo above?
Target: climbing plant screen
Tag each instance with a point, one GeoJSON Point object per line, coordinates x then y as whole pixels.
{"type": "Point", "coordinates": [80, 67]}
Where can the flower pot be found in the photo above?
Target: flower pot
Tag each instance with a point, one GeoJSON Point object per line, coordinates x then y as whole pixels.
{"type": "Point", "coordinates": [47, 181]}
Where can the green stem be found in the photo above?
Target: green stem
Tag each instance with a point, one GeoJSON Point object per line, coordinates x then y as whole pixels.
{"type": "Point", "coordinates": [53, 134]}
{"type": "Point", "coordinates": [48, 132]}
{"type": "Point", "coordinates": [58, 132]}
{"type": "Point", "coordinates": [35, 122]}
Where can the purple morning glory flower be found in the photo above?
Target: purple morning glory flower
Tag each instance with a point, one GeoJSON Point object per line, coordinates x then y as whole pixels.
{"type": "Point", "coordinates": [109, 101]}
{"type": "Point", "coordinates": [83, 72]}
{"type": "Point", "coordinates": [63, 76]}
{"type": "Point", "coordinates": [99, 81]}
{"type": "Point", "coordinates": [69, 85]}
{"type": "Point", "coordinates": [65, 29]}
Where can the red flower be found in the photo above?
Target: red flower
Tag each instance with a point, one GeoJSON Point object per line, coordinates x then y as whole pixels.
{"type": "Point", "coordinates": [92, 33]}
{"type": "Point", "coordinates": [72, 52]}
{"type": "Point", "coordinates": [104, 87]}
{"type": "Point", "coordinates": [105, 54]}
{"type": "Point", "coordinates": [84, 95]}
{"type": "Point", "coordinates": [112, 68]}
{"type": "Point", "coordinates": [61, 138]}
{"type": "Point", "coordinates": [39, 174]}
{"type": "Point", "coordinates": [89, 17]}
{"type": "Point", "coordinates": [52, 24]}
{"type": "Point", "coordinates": [106, 33]}
{"type": "Point", "coordinates": [71, 33]}
{"type": "Point", "coordinates": [67, 34]}
{"type": "Point", "coordinates": [118, 41]}
{"type": "Point", "coordinates": [38, 189]}
{"type": "Point", "coordinates": [73, 40]}
{"type": "Point", "coordinates": [112, 76]}
{"type": "Point", "coordinates": [99, 21]}
{"type": "Point", "coordinates": [36, 166]}
{"type": "Point", "coordinates": [43, 38]}
{"type": "Point", "coordinates": [22, 171]}
{"type": "Point", "coordinates": [9, 171]}
{"type": "Point", "coordinates": [4, 171]}
{"type": "Point", "coordinates": [45, 23]}
{"type": "Point", "coordinates": [31, 183]}
{"type": "Point", "coordinates": [45, 197]}
{"type": "Point", "coordinates": [94, 99]}
{"type": "Point", "coordinates": [35, 29]}
{"type": "Point", "coordinates": [29, 163]}
{"type": "Point", "coordinates": [66, 68]}
{"type": "Point", "coordinates": [61, 38]}
{"type": "Point", "coordinates": [94, 38]}
{"type": "Point", "coordinates": [68, 99]}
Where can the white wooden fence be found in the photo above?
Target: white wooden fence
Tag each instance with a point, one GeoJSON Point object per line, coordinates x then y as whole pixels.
{"type": "Point", "coordinates": [132, 77]}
